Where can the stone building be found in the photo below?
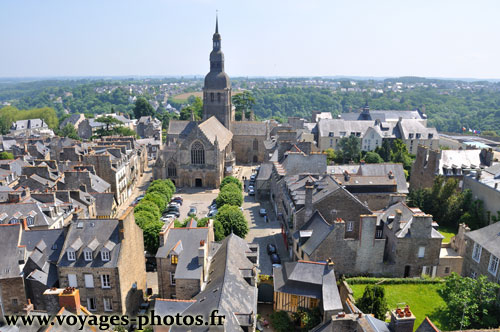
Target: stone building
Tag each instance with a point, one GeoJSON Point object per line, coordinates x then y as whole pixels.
{"type": "Point", "coordinates": [430, 163]}
{"type": "Point", "coordinates": [482, 252]}
{"type": "Point", "coordinates": [183, 260]}
{"type": "Point", "coordinates": [201, 153]}
{"type": "Point", "coordinates": [104, 258]}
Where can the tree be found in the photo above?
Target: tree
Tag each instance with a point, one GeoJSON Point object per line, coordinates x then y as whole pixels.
{"type": "Point", "coordinates": [157, 199]}
{"type": "Point", "coordinates": [143, 108]}
{"type": "Point", "coordinates": [281, 321]}
{"type": "Point", "coordinates": [149, 206]}
{"type": "Point", "coordinates": [330, 156]}
{"type": "Point", "coordinates": [229, 196]}
{"type": "Point", "coordinates": [350, 147]}
{"type": "Point", "coordinates": [151, 232]}
{"type": "Point", "coordinates": [373, 301]}
{"type": "Point", "coordinates": [307, 318]}
{"type": "Point", "coordinates": [232, 220]}
{"type": "Point", "coordinates": [231, 179]}
{"type": "Point", "coordinates": [385, 150]}
{"type": "Point", "coordinates": [143, 218]}
{"type": "Point", "coordinates": [242, 102]}
{"type": "Point", "coordinates": [69, 131]}
{"type": "Point", "coordinates": [5, 124]}
{"type": "Point", "coordinates": [161, 187]}
{"type": "Point", "coordinates": [4, 155]}
{"type": "Point", "coordinates": [373, 158]}
{"type": "Point", "coordinates": [196, 107]}
{"type": "Point", "coordinates": [470, 303]}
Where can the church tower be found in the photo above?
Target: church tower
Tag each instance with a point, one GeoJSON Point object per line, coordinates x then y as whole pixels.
{"type": "Point", "coordinates": [217, 88]}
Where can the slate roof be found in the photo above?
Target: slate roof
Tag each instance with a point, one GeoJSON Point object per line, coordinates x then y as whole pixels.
{"type": "Point", "coordinates": [189, 239]}
{"type": "Point", "coordinates": [82, 232]}
{"type": "Point", "coordinates": [249, 128]}
{"type": "Point", "coordinates": [226, 290]}
{"type": "Point", "coordinates": [297, 163]}
{"type": "Point", "coordinates": [180, 128]}
{"type": "Point", "coordinates": [213, 129]}
{"type": "Point", "coordinates": [383, 115]}
{"type": "Point", "coordinates": [488, 237]}
{"type": "Point", "coordinates": [9, 257]}
{"type": "Point", "coordinates": [459, 158]}
{"type": "Point", "coordinates": [52, 238]}
{"type": "Point", "coordinates": [23, 210]}
{"type": "Point", "coordinates": [318, 229]}
{"type": "Point", "coordinates": [103, 203]}
{"type": "Point", "coordinates": [407, 127]}
{"type": "Point", "coordinates": [165, 307]}
{"type": "Point", "coordinates": [265, 171]}
{"type": "Point", "coordinates": [311, 279]}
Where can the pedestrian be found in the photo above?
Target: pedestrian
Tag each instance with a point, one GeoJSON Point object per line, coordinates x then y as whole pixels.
{"type": "Point", "coordinates": [265, 219]}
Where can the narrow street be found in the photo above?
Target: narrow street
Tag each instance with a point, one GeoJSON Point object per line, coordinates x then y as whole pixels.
{"type": "Point", "coordinates": [140, 188]}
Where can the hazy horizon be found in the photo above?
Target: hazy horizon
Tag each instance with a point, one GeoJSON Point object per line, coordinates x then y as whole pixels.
{"type": "Point", "coordinates": [57, 39]}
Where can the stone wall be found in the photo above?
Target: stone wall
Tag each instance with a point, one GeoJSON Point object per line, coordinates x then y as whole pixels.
{"type": "Point", "coordinates": [424, 168]}
{"type": "Point", "coordinates": [243, 147]}
{"type": "Point", "coordinates": [480, 268]}
{"type": "Point", "coordinates": [165, 288]}
{"type": "Point", "coordinates": [12, 295]}
{"type": "Point", "coordinates": [186, 289]}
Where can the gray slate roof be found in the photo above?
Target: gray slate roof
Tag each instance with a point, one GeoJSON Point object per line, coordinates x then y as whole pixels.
{"type": "Point", "coordinates": [9, 257]}
{"type": "Point", "coordinates": [181, 128]}
{"type": "Point", "coordinates": [189, 239]}
{"type": "Point", "coordinates": [103, 203]}
{"type": "Point", "coordinates": [82, 232]}
{"type": "Point", "coordinates": [320, 229]}
{"type": "Point", "coordinates": [227, 290]}
{"type": "Point", "coordinates": [249, 128]}
{"type": "Point", "coordinates": [23, 210]}
{"type": "Point", "coordinates": [488, 237]}
{"type": "Point", "coordinates": [212, 128]}
{"type": "Point", "coordinates": [382, 115]}
{"type": "Point", "coordinates": [311, 279]}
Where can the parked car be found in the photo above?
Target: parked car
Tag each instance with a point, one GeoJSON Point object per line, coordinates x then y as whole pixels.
{"type": "Point", "coordinates": [262, 212]}
{"type": "Point", "coordinates": [271, 249]}
{"type": "Point", "coordinates": [137, 200]}
{"type": "Point", "coordinates": [212, 213]}
{"type": "Point", "coordinates": [213, 207]}
{"type": "Point", "coordinates": [178, 198]}
{"type": "Point", "coordinates": [177, 201]}
{"type": "Point", "coordinates": [250, 187]}
{"type": "Point", "coordinates": [275, 259]}
{"type": "Point", "coordinates": [176, 204]}
{"type": "Point", "coordinates": [192, 211]}
{"type": "Point", "coordinates": [171, 216]}
{"type": "Point", "coordinates": [251, 192]}
{"type": "Point", "coordinates": [176, 213]}
{"type": "Point", "coordinates": [173, 208]}
{"type": "Point", "coordinates": [252, 177]}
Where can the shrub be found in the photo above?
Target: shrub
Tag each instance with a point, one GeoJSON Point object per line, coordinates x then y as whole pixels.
{"type": "Point", "coordinates": [218, 231]}
{"type": "Point", "coordinates": [393, 281]}
{"type": "Point", "coordinates": [6, 155]}
{"type": "Point", "coordinates": [281, 321]}
{"type": "Point", "coordinates": [232, 220]}
{"type": "Point", "coordinates": [373, 301]}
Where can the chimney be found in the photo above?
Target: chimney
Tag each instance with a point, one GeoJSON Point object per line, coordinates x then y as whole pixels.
{"type": "Point", "coordinates": [402, 320]}
{"type": "Point", "coordinates": [396, 224]}
{"type": "Point", "coordinates": [347, 177]}
{"type": "Point", "coordinates": [362, 162]}
{"type": "Point", "coordinates": [69, 298]}
{"type": "Point", "coordinates": [329, 263]}
{"type": "Point", "coordinates": [390, 175]}
{"type": "Point", "coordinates": [309, 199]}
{"type": "Point", "coordinates": [28, 307]}
{"type": "Point", "coordinates": [202, 253]}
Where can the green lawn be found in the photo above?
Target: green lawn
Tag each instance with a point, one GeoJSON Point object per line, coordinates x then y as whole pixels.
{"type": "Point", "coordinates": [448, 233]}
{"type": "Point", "coordinates": [423, 299]}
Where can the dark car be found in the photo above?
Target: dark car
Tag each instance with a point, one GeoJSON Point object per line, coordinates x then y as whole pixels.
{"type": "Point", "coordinates": [175, 200]}
{"type": "Point", "coordinates": [275, 259]}
{"type": "Point", "coordinates": [176, 213]}
{"type": "Point", "coordinates": [271, 249]}
{"type": "Point", "coordinates": [192, 211]}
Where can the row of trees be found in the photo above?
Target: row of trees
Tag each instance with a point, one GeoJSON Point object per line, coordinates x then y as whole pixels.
{"type": "Point", "coordinates": [149, 210]}
{"type": "Point", "coordinates": [450, 206]}
{"type": "Point", "coordinates": [229, 214]}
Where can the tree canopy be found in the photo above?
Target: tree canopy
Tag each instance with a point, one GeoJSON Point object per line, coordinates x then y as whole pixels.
{"type": "Point", "coordinates": [143, 108]}
{"type": "Point", "coordinates": [350, 148]}
{"type": "Point", "coordinates": [243, 102]}
{"type": "Point", "coordinates": [4, 155]}
{"type": "Point", "coordinates": [232, 220]}
{"type": "Point", "coordinates": [373, 301]}
{"type": "Point", "coordinates": [231, 179]}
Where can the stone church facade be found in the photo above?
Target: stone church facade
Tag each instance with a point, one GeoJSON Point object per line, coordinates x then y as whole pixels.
{"type": "Point", "coordinates": [201, 153]}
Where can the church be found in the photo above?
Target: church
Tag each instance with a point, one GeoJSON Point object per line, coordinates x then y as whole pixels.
{"type": "Point", "coordinates": [201, 153]}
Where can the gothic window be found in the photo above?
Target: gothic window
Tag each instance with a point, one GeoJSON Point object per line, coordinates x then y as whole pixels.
{"type": "Point", "coordinates": [218, 96]}
{"type": "Point", "coordinates": [171, 170]}
{"type": "Point", "coordinates": [197, 154]}
{"type": "Point", "coordinates": [212, 96]}
{"type": "Point", "coordinates": [255, 145]}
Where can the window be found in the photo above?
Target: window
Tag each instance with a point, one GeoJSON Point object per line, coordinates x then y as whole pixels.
{"type": "Point", "coordinates": [30, 221]}
{"type": "Point", "coordinates": [14, 302]}
{"type": "Point", "coordinates": [349, 226]}
{"type": "Point", "coordinates": [89, 280]}
{"type": "Point", "coordinates": [71, 255]}
{"type": "Point", "coordinates": [108, 306]}
{"type": "Point", "coordinates": [212, 96]}
{"type": "Point", "coordinates": [171, 170]}
{"type": "Point", "coordinates": [218, 97]}
{"type": "Point", "coordinates": [87, 254]}
{"type": "Point", "coordinates": [174, 259]}
{"type": "Point", "coordinates": [105, 281]}
{"type": "Point", "coordinates": [421, 252]}
{"type": "Point", "coordinates": [314, 303]}
{"type": "Point", "coordinates": [173, 296]}
{"type": "Point", "coordinates": [476, 252]}
{"type": "Point", "coordinates": [378, 234]}
{"type": "Point", "coordinates": [294, 299]}
{"type": "Point", "coordinates": [105, 255]}
{"type": "Point", "coordinates": [493, 266]}
{"type": "Point", "coordinates": [447, 270]}
{"type": "Point", "coordinates": [72, 280]}
{"type": "Point", "coordinates": [91, 304]}
{"type": "Point", "coordinates": [172, 278]}
{"type": "Point", "coordinates": [197, 154]}
{"type": "Point", "coordinates": [331, 134]}
{"type": "Point", "coordinates": [255, 145]}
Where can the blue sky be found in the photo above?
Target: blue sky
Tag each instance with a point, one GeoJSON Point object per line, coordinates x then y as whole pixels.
{"type": "Point", "coordinates": [431, 38]}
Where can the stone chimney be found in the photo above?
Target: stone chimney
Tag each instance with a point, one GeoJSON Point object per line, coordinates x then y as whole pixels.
{"type": "Point", "coordinates": [458, 242]}
{"type": "Point", "coordinates": [396, 224]}
{"type": "Point", "coordinates": [69, 298]}
{"type": "Point", "coordinates": [308, 200]}
{"type": "Point", "coordinates": [390, 175]}
{"type": "Point", "coordinates": [347, 177]}
{"type": "Point", "coordinates": [202, 253]}
{"type": "Point", "coordinates": [402, 320]}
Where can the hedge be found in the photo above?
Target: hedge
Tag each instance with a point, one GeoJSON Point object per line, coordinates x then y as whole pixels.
{"type": "Point", "coordinates": [392, 281]}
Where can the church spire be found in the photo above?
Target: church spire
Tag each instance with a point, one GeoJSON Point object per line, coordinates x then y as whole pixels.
{"type": "Point", "coordinates": [216, 22]}
{"type": "Point", "coordinates": [216, 38]}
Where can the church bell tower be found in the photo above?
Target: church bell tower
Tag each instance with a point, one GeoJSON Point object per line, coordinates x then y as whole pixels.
{"type": "Point", "coordinates": [217, 88]}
